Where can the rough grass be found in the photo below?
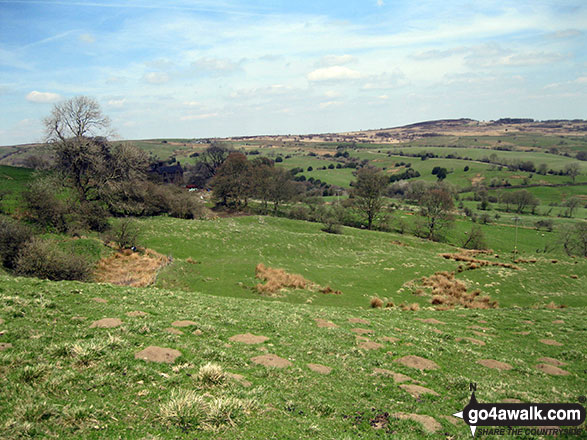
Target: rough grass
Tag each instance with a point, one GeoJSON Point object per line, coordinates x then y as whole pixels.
{"type": "Point", "coordinates": [128, 268]}
{"type": "Point", "coordinates": [448, 292]}
{"type": "Point", "coordinates": [277, 279]}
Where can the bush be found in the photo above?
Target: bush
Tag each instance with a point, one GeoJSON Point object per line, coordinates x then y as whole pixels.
{"type": "Point", "coordinates": [42, 206]}
{"type": "Point", "coordinates": [43, 259]}
{"type": "Point", "coordinates": [13, 236]}
{"type": "Point", "coordinates": [125, 234]}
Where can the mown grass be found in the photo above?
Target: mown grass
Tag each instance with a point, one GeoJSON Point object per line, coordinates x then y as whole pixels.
{"type": "Point", "coordinates": [63, 379]}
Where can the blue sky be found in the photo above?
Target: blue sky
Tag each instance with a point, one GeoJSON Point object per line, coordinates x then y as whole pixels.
{"type": "Point", "coordinates": [205, 68]}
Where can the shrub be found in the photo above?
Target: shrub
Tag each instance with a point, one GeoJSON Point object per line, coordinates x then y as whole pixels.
{"type": "Point", "coordinates": [42, 206]}
{"type": "Point", "coordinates": [376, 303]}
{"type": "Point", "coordinates": [43, 259]}
{"type": "Point", "coordinates": [125, 234]}
{"type": "Point", "coordinates": [13, 236]}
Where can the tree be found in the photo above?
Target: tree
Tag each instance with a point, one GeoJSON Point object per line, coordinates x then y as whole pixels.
{"type": "Point", "coordinates": [368, 191]}
{"type": "Point", "coordinates": [436, 206]}
{"type": "Point", "coordinates": [282, 187]}
{"type": "Point", "coordinates": [76, 118]}
{"type": "Point", "coordinates": [574, 238]}
{"type": "Point", "coordinates": [232, 183]}
{"type": "Point", "coordinates": [213, 157]}
{"type": "Point", "coordinates": [475, 239]}
{"type": "Point", "coordinates": [524, 198]}
{"type": "Point", "coordinates": [573, 170]}
{"type": "Point", "coordinates": [571, 204]}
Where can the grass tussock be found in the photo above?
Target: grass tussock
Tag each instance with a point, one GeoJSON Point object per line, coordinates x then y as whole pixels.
{"type": "Point", "coordinates": [550, 306]}
{"type": "Point", "coordinates": [277, 279]}
{"type": "Point", "coordinates": [128, 268]}
{"type": "Point", "coordinates": [474, 263]}
{"type": "Point", "coordinates": [448, 292]}
{"type": "Point", "coordinates": [190, 411]}
{"type": "Point", "coordinates": [329, 290]}
{"type": "Point", "coordinates": [211, 374]}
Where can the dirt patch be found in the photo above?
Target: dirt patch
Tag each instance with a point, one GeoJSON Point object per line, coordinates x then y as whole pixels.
{"type": "Point", "coordinates": [417, 391]}
{"type": "Point", "coordinates": [271, 360]}
{"type": "Point", "coordinates": [511, 400]}
{"type": "Point", "coordinates": [435, 330]}
{"type": "Point", "coordinates": [158, 354]}
{"type": "Point", "coordinates": [322, 369]}
{"type": "Point", "coordinates": [370, 345]}
{"type": "Point", "coordinates": [552, 361]}
{"type": "Point", "coordinates": [429, 423]}
{"type": "Point", "coordinates": [136, 313]}
{"type": "Point", "coordinates": [477, 179]}
{"type": "Point", "coordinates": [551, 369]}
{"type": "Point", "coordinates": [551, 342]}
{"type": "Point", "coordinates": [448, 292]}
{"type": "Point", "coordinates": [526, 333]}
{"type": "Point", "coordinates": [5, 346]}
{"type": "Point", "coordinates": [362, 331]}
{"type": "Point", "coordinates": [430, 321]}
{"type": "Point", "coordinates": [478, 327]}
{"type": "Point", "coordinates": [197, 332]}
{"type": "Point", "coordinates": [528, 322]}
{"type": "Point", "coordinates": [397, 377]}
{"type": "Point", "coordinates": [471, 340]}
{"type": "Point", "coordinates": [325, 324]}
{"type": "Point", "coordinates": [277, 279]}
{"type": "Point", "coordinates": [417, 362]}
{"type": "Point", "coordinates": [183, 323]}
{"type": "Point", "coordinates": [390, 339]}
{"type": "Point", "coordinates": [351, 320]}
{"type": "Point", "coordinates": [1, 321]}
{"type": "Point", "coordinates": [248, 338]}
{"type": "Point", "coordinates": [106, 323]}
{"type": "Point", "coordinates": [239, 378]}
{"type": "Point", "coordinates": [558, 321]}
{"type": "Point", "coordinates": [173, 331]}
{"type": "Point", "coordinates": [380, 421]}
{"type": "Point", "coordinates": [127, 268]}
{"type": "Point", "coordinates": [490, 363]}
{"type": "Point", "coordinates": [78, 318]}
{"type": "Point", "coordinates": [100, 300]}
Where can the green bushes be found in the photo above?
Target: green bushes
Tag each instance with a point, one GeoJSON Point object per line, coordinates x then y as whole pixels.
{"type": "Point", "coordinates": [43, 259]}
{"type": "Point", "coordinates": [13, 236]}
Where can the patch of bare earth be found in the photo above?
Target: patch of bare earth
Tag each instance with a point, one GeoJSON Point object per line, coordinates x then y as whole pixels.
{"type": "Point", "coordinates": [325, 324]}
{"type": "Point", "coordinates": [558, 321]}
{"type": "Point", "coordinates": [136, 314]}
{"type": "Point", "coordinates": [100, 300]}
{"type": "Point", "coordinates": [526, 333]}
{"type": "Point", "coordinates": [490, 363]}
{"type": "Point", "coordinates": [1, 321]}
{"type": "Point", "coordinates": [397, 377]}
{"type": "Point", "coordinates": [106, 323]}
{"type": "Point", "coordinates": [471, 340]}
{"type": "Point", "coordinates": [322, 369]}
{"type": "Point", "coordinates": [551, 369]}
{"type": "Point", "coordinates": [511, 400]}
{"type": "Point", "coordinates": [361, 331]}
{"type": "Point", "coordinates": [370, 345]}
{"type": "Point", "coordinates": [5, 346]}
{"type": "Point", "coordinates": [353, 321]}
{"type": "Point", "coordinates": [184, 323]}
{"type": "Point", "coordinates": [128, 268]}
{"type": "Point", "coordinates": [417, 362]}
{"type": "Point", "coordinates": [248, 338]}
{"type": "Point", "coordinates": [173, 331]}
{"type": "Point", "coordinates": [390, 339]}
{"type": "Point", "coordinates": [448, 292]}
{"type": "Point", "coordinates": [552, 361]}
{"type": "Point", "coordinates": [551, 342]}
{"type": "Point", "coordinates": [430, 321]}
{"type": "Point", "coordinates": [417, 391]}
{"type": "Point", "coordinates": [271, 360]}
{"type": "Point", "coordinates": [429, 423]}
{"type": "Point", "coordinates": [158, 354]}
{"type": "Point", "coordinates": [239, 378]}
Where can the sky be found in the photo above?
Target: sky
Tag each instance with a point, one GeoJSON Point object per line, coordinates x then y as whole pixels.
{"type": "Point", "coordinates": [215, 68]}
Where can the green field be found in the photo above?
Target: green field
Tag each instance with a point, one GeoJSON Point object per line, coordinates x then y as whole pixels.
{"type": "Point", "coordinates": [13, 181]}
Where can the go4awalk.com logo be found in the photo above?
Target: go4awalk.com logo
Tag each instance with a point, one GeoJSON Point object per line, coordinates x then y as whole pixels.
{"type": "Point", "coordinates": [517, 418]}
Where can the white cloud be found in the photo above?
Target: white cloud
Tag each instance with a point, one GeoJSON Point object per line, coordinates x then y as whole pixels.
{"type": "Point", "coordinates": [191, 103]}
{"type": "Point", "coordinates": [336, 60]}
{"type": "Point", "coordinates": [215, 65]}
{"type": "Point", "coordinates": [581, 80]}
{"type": "Point", "coordinates": [196, 117]}
{"type": "Point", "coordinates": [87, 38]}
{"type": "Point", "coordinates": [380, 3]}
{"type": "Point", "coordinates": [42, 97]}
{"type": "Point", "coordinates": [333, 73]}
{"type": "Point", "coordinates": [330, 104]}
{"type": "Point", "coordinates": [156, 77]}
{"type": "Point", "coordinates": [331, 94]}
{"type": "Point", "coordinates": [117, 102]}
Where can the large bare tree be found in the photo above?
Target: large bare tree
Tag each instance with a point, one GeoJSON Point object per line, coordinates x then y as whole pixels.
{"type": "Point", "coordinates": [79, 117]}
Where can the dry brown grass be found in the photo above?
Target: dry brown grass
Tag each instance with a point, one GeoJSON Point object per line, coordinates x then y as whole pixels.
{"type": "Point", "coordinates": [475, 263]}
{"type": "Point", "coordinates": [376, 303]}
{"type": "Point", "coordinates": [448, 292]}
{"type": "Point", "coordinates": [551, 306]}
{"type": "Point", "coordinates": [277, 279]}
{"type": "Point", "coordinates": [329, 290]}
{"type": "Point", "coordinates": [128, 268]}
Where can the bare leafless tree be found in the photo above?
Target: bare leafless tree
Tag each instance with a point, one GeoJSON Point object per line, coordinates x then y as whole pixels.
{"type": "Point", "coordinates": [77, 117]}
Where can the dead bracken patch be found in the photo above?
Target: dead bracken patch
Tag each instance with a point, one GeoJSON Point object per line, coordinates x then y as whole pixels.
{"type": "Point", "coordinates": [277, 279]}
{"type": "Point", "coordinates": [490, 363]}
{"type": "Point", "coordinates": [417, 362]}
{"type": "Point", "coordinates": [417, 391]}
{"type": "Point", "coordinates": [474, 263]}
{"type": "Point", "coordinates": [136, 269]}
{"type": "Point", "coordinates": [158, 354]}
{"type": "Point", "coordinates": [429, 423]}
{"type": "Point", "coordinates": [185, 323]}
{"type": "Point", "coordinates": [248, 338]}
{"type": "Point", "coordinates": [322, 369]}
{"type": "Point", "coordinates": [271, 360]}
{"type": "Point", "coordinates": [106, 323]}
{"type": "Point", "coordinates": [376, 303]}
{"type": "Point", "coordinates": [551, 369]}
{"type": "Point", "coordinates": [448, 292]}
{"type": "Point", "coordinates": [329, 290]}
{"type": "Point", "coordinates": [550, 342]}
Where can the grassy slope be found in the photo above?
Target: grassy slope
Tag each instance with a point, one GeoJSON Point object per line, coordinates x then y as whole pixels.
{"type": "Point", "coordinates": [359, 263]}
{"type": "Point", "coordinates": [62, 378]}
{"type": "Point", "coordinates": [13, 180]}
